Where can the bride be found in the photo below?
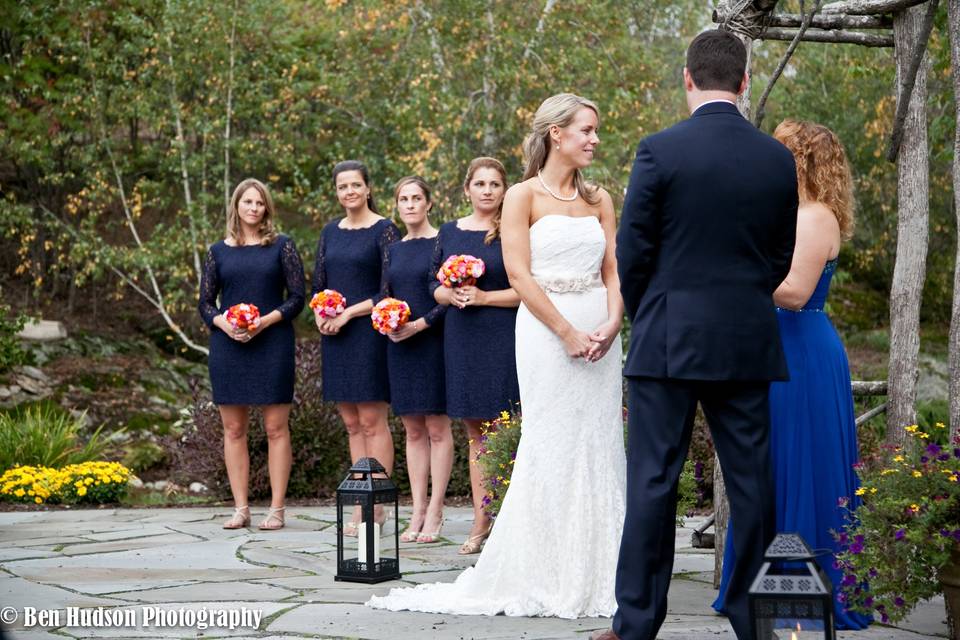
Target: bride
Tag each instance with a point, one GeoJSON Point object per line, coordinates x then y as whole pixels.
{"type": "Point", "coordinates": [553, 550]}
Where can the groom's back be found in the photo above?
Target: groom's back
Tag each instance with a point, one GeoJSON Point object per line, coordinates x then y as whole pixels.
{"type": "Point", "coordinates": [722, 201]}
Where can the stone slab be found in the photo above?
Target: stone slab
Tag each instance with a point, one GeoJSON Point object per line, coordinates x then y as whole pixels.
{"type": "Point", "coordinates": [201, 592]}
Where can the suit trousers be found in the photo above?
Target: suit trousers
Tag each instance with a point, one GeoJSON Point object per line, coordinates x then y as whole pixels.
{"type": "Point", "coordinates": [660, 423]}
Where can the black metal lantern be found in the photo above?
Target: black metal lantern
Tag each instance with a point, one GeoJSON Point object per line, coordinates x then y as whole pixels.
{"type": "Point", "coordinates": [791, 597]}
{"type": "Point", "coordinates": [368, 556]}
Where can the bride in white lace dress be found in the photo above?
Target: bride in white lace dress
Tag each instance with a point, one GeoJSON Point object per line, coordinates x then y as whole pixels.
{"type": "Point", "coordinates": [553, 549]}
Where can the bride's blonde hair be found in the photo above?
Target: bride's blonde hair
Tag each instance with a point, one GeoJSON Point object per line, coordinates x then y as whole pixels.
{"type": "Point", "coordinates": [556, 110]}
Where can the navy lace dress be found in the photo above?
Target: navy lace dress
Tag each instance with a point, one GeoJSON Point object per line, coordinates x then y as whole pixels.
{"type": "Point", "coordinates": [813, 441]}
{"type": "Point", "coordinates": [415, 364]}
{"type": "Point", "coordinates": [478, 342]}
{"type": "Point", "coordinates": [354, 362]}
{"type": "Point", "coordinates": [260, 371]}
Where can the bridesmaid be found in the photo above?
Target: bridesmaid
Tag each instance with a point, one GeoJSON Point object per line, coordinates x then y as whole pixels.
{"type": "Point", "coordinates": [478, 333]}
{"type": "Point", "coordinates": [253, 264]}
{"type": "Point", "coordinates": [351, 254]}
{"type": "Point", "coordinates": [415, 362]}
{"type": "Point", "coordinates": [813, 437]}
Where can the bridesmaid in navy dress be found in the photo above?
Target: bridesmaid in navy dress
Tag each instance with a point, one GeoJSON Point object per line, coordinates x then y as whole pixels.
{"type": "Point", "coordinates": [415, 362]}
{"type": "Point", "coordinates": [255, 366]}
{"type": "Point", "coordinates": [813, 437]}
{"type": "Point", "coordinates": [351, 253]}
{"type": "Point", "coordinates": [479, 328]}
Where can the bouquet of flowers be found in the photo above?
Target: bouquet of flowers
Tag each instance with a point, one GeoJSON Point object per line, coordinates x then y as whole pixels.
{"type": "Point", "coordinates": [243, 316]}
{"type": "Point", "coordinates": [389, 315]}
{"type": "Point", "coordinates": [328, 303]}
{"type": "Point", "coordinates": [460, 270]}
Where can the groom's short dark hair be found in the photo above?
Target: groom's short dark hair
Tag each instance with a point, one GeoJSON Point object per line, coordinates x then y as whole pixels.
{"type": "Point", "coordinates": [716, 61]}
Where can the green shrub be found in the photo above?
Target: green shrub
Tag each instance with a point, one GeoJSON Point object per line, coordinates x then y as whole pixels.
{"type": "Point", "coordinates": [12, 353]}
{"type": "Point", "coordinates": [46, 435]}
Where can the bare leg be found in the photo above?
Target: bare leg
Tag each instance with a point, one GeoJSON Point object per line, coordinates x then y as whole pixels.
{"type": "Point", "coordinates": [276, 420]}
{"type": "Point", "coordinates": [358, 448]}
{"type": "Point", "coordinates": [418, 468]}
{"type": "Point", "coordinates": [236, 419]}
{"type": "Point", "coordinates": [441, 462]}
{"type": "Point", "coordinates": [481, 521]}
{"type": "Point", "coordinates": [377, 438]}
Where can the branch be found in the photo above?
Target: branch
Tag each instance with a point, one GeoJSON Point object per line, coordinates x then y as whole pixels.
{"type": "Point", "coordinates": [182, 144]}
{"type": "Point", "coordinates": [869, 7]}
{"type": "Point", "coordinates": [909, 80]}
{"type": "Point", "coordinates": [784, 60]}
{"type": "Point", "coordinates": [836, 21]}
{"type": "Point", "coordinates": [869, 387]}
{"type": "Point", "coordinates": [226, 132]}
{"type": "Point", "coordinates": [535, 37]}
{"type": "Point", "coordinates": [834, 37]}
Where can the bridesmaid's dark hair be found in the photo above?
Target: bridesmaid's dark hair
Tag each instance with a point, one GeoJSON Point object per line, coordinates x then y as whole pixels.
{"type": "Point", "coordinates": [268, 232]}
{"type": "Point", "coordinates": [355, 165]}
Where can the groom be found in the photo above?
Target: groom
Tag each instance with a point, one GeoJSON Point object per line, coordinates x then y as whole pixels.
{"type": "Point", "coordinates": [706, 235]}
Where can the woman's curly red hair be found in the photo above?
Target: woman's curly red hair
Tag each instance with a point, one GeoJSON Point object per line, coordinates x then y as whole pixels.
{"type": "Point", "coordinates": [823, 173]}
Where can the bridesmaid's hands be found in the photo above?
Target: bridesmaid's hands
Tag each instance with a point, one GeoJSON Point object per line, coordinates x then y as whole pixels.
{"type": "Point", "coordinates": [324, 326]}
{"type": "Point", "coordinates": [444, 295]}
{"type": "Point", "coordinates": [602, 339]}
{"type": "Point", "coordinates": [469, 296]}
{"type": "Point", "coordinates": [240, 335]}
{"type": "Point", "coordinates": [408, 330]}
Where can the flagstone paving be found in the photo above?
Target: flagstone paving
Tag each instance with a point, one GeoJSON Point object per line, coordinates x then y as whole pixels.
{"type": "Point", "coordinates": [156, 572]}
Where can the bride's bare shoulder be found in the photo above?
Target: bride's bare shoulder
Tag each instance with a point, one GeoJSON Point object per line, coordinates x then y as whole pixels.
{"type": "Point", "coordinates": [519, 194]}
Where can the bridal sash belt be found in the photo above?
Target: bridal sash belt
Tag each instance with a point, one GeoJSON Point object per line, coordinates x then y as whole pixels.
{"type": "Point", "coordinates": [569, 283]}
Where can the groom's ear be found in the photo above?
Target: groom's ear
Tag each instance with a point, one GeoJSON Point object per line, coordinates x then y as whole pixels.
{"type": "Point", "coordinates": [688, 80]}
{"type": "Point", "coordinates": [744, 82]}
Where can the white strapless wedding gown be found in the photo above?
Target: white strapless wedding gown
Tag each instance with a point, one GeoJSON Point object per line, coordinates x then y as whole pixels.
{"type": "Point", "coordinates": [553, 550]}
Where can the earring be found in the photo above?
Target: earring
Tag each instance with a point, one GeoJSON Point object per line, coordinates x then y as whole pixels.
{"type": "Point", "coordinates": [557, 147]}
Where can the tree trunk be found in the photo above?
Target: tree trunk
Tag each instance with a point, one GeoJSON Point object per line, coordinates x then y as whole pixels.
{"type": "Point", "coordinates": [721, 508]}
{"type": "Point", "coordinates": [953, 26]}
{"type": "Point", "coordinates": [912, 222]}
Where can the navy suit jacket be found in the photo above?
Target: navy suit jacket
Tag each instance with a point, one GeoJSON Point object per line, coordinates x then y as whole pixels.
{"type": "Point", "coordinates": [706, 236]}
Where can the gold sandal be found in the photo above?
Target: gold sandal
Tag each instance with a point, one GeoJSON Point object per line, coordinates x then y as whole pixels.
{"type": "Point", "coordinates": [475, 543]}
{"type": "Point", "coordinates": [433, 536]}
{"type": "Point", "coordinates": [238, 520]}
{"type": "Point", "coordinates": [274, 514]}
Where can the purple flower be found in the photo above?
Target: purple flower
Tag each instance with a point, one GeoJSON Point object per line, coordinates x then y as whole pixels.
{"type": "Point", "coordinates": [843, 501]}
{"type": "Point", "coordinates": [868, 601]}
{"type": "Point", "coordinates": [843, 538]}
{"type": "Point", "coordinates": [898, 601]}
{"type": "Point", "coordinates": [884, 618]}
{"type": "Point", "coordinates": [841, 597]}
{"type": "Point", "coordinates": [900, 534]}
{"type": "Point", "coordinates": [857, 546]}
{"type": "Point", "coordinates": [956, 452]}
{"type": "Point", "coordinates": [943, 457]}
{"type": "Point", "coordinates": [924, 459]}
{"type": "Point", "coordinates": [872, 573]}
{"type": "Point", "coordinates": [956, 534]}
{"type": "Point", "coordinates": [848, 580]}
{"type": "Point", "coordinates": [933, 449]}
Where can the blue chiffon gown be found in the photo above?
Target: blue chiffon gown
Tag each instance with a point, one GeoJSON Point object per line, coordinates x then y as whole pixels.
{"type": "Point", "coordinates": [417, 385]}
{"type": "Point", "coordinates": [479, 343]}
{"type": "Point", "coordinates": [354, 362]}
{"type": "Point", "coordinates": [813, 441]}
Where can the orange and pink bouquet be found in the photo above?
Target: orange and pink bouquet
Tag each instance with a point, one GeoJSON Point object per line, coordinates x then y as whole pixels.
{"type": "Point", "coordinates": [243, 316]}
{"type": "Point", "coordinates": [389, 315]}
{"type": "Point", "coordinates": [460, 270]}
{"type": "Point", "coordinates": [328, 303]}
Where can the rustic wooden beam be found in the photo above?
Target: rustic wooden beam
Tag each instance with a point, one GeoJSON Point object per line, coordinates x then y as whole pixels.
{"type": "Point", "coordinates": [831, 36]}
{"type": "Point", "coordinates": [836, 21]}
{"type": "Point", "coordinates": [869, 7]}
{"type": "Point", "coordinates": [868, 387]}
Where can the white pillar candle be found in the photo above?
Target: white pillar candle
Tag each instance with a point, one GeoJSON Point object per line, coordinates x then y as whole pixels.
{"type": "Point", "coordinates": [362, 542]}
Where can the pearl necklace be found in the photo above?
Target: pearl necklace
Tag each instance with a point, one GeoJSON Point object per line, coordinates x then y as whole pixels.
{"type": "Point", "coordinates": [576, 192]}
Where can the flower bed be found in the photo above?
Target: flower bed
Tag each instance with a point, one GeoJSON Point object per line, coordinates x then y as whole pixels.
{"type": "Point", "coordinates": [88, 482]}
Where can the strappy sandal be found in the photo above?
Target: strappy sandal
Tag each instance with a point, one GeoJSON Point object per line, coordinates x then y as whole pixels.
{"type": "Point", "coordinates": [474, 543]}
{"type": "Point", "coordinates": [274, 514]}
{"type": "Point", "coordinates": [238, 520]}
{"type": "Point", "coordinates": [433, 536]}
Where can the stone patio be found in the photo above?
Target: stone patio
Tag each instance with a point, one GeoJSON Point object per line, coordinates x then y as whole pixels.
{"type": "Point", "coordinates": [178, 564]}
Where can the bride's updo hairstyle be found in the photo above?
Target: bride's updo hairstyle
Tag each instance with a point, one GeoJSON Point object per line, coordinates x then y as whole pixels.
{"type": "Point", "coordinates": [556, 110]}
{"type": "Point", "coordinates": [823, 174]}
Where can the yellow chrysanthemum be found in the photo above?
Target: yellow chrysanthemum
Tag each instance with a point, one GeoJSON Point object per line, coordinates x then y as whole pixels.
{"type": "Point", "coordinates": [917, 474]}
{"type": "Point", "coordinates": [861, 491]}
{"type": "Point", "coordinates": [82, 491]}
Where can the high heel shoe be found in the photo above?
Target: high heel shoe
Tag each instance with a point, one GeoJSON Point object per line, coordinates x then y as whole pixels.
{"type": "Point", "coordinates": [475, 543]}
{"type": "Point", "coordinates": [351, 529]}
{"type": "Point", "coordinates": [240, 518]}
{"type": "Point", "coordinates": [426, 538]}
{"type": "Point", "coordinates": [274, 515]}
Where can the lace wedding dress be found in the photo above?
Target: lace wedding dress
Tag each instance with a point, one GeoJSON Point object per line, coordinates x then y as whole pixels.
{"type": "Point", "coordinates": [553, 550]}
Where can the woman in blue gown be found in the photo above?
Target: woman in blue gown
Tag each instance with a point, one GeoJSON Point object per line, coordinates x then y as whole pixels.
{"type": "Point", "coordinates": [415, 362]}
{"type": "Point", "coordinates": [813, 437]}
{"type": "Point", "coordinates": [254, 265]}
{"type": "Point", "coordinates": [478, 330]}
{"type": "Point", "coordinates": [350, 256]}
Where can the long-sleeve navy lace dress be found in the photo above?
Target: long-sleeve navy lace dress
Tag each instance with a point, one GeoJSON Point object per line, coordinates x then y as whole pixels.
{"type": "Point", "coordinates": [260, 371]}
{"type": "Point", "coordinates": [416, 364]}
{"type": "Point", "coordinates": [479, 343]}
{"type": "Point", "coordinates": [354, 362]}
